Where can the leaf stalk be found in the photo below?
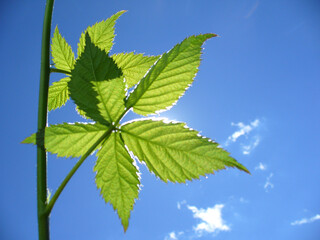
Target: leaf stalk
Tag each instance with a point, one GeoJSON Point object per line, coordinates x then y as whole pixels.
{"type": "Point", "coordinates": [79, 163]}
{"type": "Point", "coordinates": [75, 168]}
{"type": "Point", "coordinates": [56, 70]}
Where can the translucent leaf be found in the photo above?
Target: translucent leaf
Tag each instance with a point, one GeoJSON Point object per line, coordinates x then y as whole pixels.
{"type": "Point", "coordinates": [101, 34]}
{"type": "Point", "coordinates": [117, 177]}
{"type": "Point", "coordinates": [97, 86]}
{"type": "Point", "coordinates": [58, 94]}
{"type": "Point", "coordinates": [133, 66]}
{"type": "Point", "coordinates": [70, 140]}
{"type": "Point", "coordinates": [111, 96]}
{"type": "Point", "coordinates": [31, 140]}
{"type": "Point", "coordinates": [81, 113]}
{"type": "Point", "coordinates": [168, 79]}
{"type": "Point", "coordinates": [174, 152]}
{"type": "Point", "coordinates": [62, 54]}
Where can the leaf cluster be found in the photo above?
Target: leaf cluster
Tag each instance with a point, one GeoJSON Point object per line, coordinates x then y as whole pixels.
{"type": "Point", "coordinates": [98, 84]}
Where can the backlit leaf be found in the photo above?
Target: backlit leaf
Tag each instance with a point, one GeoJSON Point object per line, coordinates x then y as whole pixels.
{"type": "Point", "coordinates": [101, 34]}
{"type": "Point", "coordinates": [58, 94]}
{"type": "Point", "coordinates": [133, 66]}
{"type": "Point", "coordinates": [97, 86]}
{"type": "Point", "coordinates": [117, 177]}
{"type": "Point", "coordinates": [168, 79]}
{"type": "Point", "coordinates": [70, 140]}
{"type": "Point", "coordinates": [63, 56]}
{"type": "Point", "coordinates": [174, 152]}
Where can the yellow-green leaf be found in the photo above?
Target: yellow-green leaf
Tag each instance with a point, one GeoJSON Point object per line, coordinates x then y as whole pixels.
{"type": "Point", "coordinates": [63, 56]}
{"type": "Point", "coordinates": [70, 140]}
{"type": "Point", "coordinates": [101, 34]}
{"type": "Point", "coordinates": [174, 152]}
{"type": "Point", "coordinates": [133, 66]}
{"type": "Point", "coordinates": [58, 94]}
{"type": "Point", "coordinates": [117, 177]}
{"type": "Point", "coordinates": [169, 78]}
{"type": "Point", "coordinates": [97, 86]}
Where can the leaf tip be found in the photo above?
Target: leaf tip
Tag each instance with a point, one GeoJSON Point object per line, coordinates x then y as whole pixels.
{"type": "Point", "coordinates": [247, 171]}
{"type": "Point", "coordinates": [210, 35]}
{"type": "Point", "coordinates": [31, 139]}
{"type": "Point", "coordinates": [125, 227]}
{"type": "Point", "coordinates": [242, 168]}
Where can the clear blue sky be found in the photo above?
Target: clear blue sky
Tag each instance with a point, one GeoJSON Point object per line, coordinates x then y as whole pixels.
{"type": "Point", "coordinates": [257, 94]}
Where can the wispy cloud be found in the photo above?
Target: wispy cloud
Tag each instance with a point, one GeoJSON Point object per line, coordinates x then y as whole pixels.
{"type": "Point", "coordinates": [173, 235]}
{"type": "Point", "coordinates": [253, 9]}
{"type": "Point", "coordinates": [245, 130]}
{"type": "Point", "coordinates": [243, 200]}
{"type": "Point", "coordinates": [179, 204]}
{"type": "Point", "coordinates": [261, 167]}
{"type": "Point", "coordinates": [268, 185]}
{"type": "Point", "coordinates": [211, 219]}
{"type": "Point", "coordinates": [246, 149]}
{"type": "Point", "coordinates": [306, 220]}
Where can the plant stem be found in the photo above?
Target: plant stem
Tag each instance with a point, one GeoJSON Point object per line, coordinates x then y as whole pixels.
{"type": "Point", "coordinates": [43, 218]}
{"type": "Point", "coordinates": [79, 163]}
{"type": "Point", "coordinates": [56, 70]}
{"type": "Point", "coordinates": [75, 168]}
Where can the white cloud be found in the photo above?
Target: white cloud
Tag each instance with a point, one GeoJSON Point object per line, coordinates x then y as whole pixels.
{"type": "Point", "coordinates": [173, 236]}
{"type": "Point", "coordinates": [261, 167]}
{"type": "Point", "coordinates": [211, 219]}
{"type": "Point", "coordinates": [268, 185]}
{"type": "Point", "coordinates": [246, 149]}
{"type": "Point", "coordinates": [244, 130]}
{"type": "Point", "coordinates": [306, 220]}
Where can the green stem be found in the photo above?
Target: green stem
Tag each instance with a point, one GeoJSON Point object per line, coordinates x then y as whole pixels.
{"type": "Point", "coordinates": [75, 168]}
{"type": "Point", "coordinates": [56, 70]}
{"type": "Point", "coordinates": [43, 218]}
{"type": "Point", "coordinates": [79, 163]}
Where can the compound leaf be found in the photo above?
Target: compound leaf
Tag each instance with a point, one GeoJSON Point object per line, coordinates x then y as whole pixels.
{"type": "Point", "coordinates": [117, 177]}
{"type": "Point", "coordinates": [169, 78]}
{"type": "Point", "coordinates": [133, 66]}
{"type": "Point", "coordinates": [70, 140]}
{"type": "Point", "coordinates": [63, 56]}
{"type": "Point", "coordinates": [101, 34]}
{"type": "Point", "coordinates": [96, 85]}
{"type": "Point", "coordinates": [58, 94]}
{"type": "Point", "coordinates": [174, 152]}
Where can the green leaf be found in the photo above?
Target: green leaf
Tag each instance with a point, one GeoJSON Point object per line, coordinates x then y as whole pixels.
{"type": "Point", "coordinates": [117, 177]}
{"type": "Point", "coordinates": [111, 96]}
{"type": "Point", "coordinates": [31, 140]}
{"type": "Point", "coordinates": [133, 66]}
{"type": "Point", "coordinates": [169, 78]}
{"type": "Point", "coordinates": [70, 140]}
{"type": "Point", "coordinates": [91, 87]}
{"type": "Point", "coordinates": [81, 113]}
{"type": "Point", "coordinates": [101, 34]}
{"type": "Point", "coordinates": [174, 152]}
{"type": "Point", "coordinates": [62, 54]}
{"type": "Point", "coordinates": [58, 94]}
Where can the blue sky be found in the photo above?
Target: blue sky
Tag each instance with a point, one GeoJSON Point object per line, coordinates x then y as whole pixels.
{"type": "Point", "coordinates": [257, 94]}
